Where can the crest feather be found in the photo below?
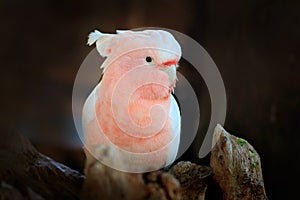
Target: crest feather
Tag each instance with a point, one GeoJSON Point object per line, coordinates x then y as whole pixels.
{"type": "Point", "coordinates": [102, 41]}
{"type": "Point", "coordinates": [93, 37]}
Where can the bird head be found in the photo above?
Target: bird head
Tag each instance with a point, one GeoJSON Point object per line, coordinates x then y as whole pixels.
{"type": "Point", "coordinates": [147, 55]}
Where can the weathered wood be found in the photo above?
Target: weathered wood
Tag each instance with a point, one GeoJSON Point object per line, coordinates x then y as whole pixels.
{"type": "Point", "coordinates": [103, 182]}
{"type": "Point", "coordinates": [27, 174]}
{"type": "Point", "coordinates": [236, 167]}
{"type": "Point", "coordinates": [193, 179]}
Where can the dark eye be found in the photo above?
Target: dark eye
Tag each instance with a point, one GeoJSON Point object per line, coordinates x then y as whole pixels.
{"type": "Point", "coordinates": [148, 59]}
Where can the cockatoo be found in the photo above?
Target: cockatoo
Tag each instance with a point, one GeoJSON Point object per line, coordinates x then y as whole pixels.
{"type": "Point", "coordinates": [132, 110]}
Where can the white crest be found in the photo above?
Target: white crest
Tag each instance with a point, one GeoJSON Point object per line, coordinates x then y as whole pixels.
{"type": "Point", "coordinates": [102, 41]}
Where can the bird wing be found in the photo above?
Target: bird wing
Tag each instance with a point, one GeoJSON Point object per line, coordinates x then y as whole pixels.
{"type": "Point", "coordinates": [175, 121]}
{"type": "Point", "coordinates": [88, 112]}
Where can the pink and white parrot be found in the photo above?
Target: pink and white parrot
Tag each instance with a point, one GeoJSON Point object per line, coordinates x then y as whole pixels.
{"type": "Point", "coordinates": [131, 110]}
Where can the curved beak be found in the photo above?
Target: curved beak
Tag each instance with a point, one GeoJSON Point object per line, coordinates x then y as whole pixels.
{"type": "Point", "coordinates": [171, 71]}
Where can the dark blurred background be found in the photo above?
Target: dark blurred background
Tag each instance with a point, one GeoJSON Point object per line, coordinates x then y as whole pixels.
{"type": "Point", "coordinates": [255, 45]}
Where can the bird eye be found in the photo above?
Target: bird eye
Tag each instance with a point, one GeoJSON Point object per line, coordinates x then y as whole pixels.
{"type": "Point", "coordinates": [148, 59]}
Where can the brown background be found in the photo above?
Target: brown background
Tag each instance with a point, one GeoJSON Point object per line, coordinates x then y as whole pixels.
{"type": "Point", "coordinates": [255, 44]}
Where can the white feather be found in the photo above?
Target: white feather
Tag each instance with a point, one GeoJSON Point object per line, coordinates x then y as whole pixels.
{"type": "Point", "coordinates": [102, 40]}
{"type": "Point", "coordinates": [175, 119]}
{"type": "Point", "coordinates": [122, 31]}
{"type": "Point", "coordinates": [88, 112]}
{"type": "Point", "coordinates": [93, 37]}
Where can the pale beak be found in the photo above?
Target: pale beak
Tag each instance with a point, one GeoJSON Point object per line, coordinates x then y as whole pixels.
{"type": "Point", "coordinates": [171, 71]}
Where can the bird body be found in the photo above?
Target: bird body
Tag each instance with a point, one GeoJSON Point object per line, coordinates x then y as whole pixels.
{"type": "Point", "coordinates": [132, 110]}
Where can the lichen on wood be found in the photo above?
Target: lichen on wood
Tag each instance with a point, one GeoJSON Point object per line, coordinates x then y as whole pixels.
{"type": "Point", "coordinates": [236, 167]}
